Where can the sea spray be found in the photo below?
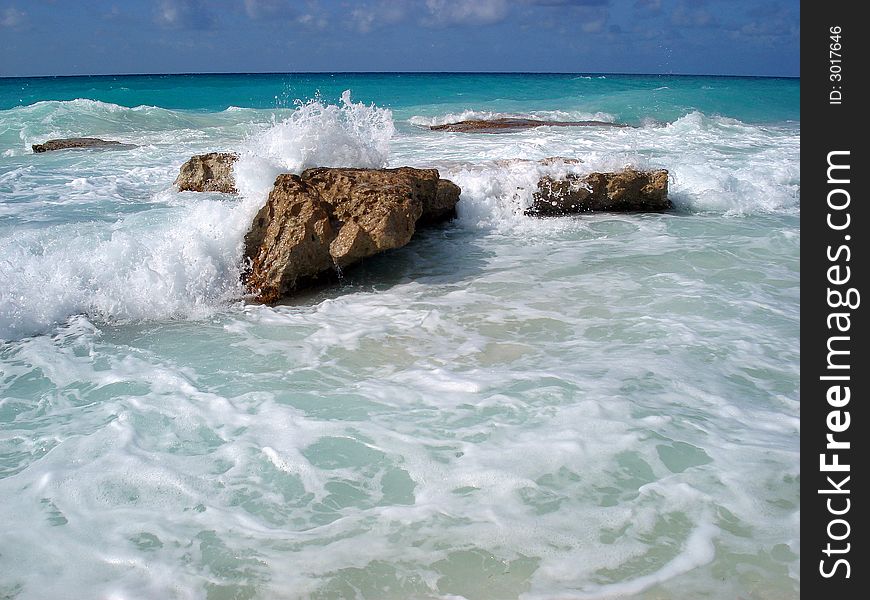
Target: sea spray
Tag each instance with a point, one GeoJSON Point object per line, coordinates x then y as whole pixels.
{"type": "Point", "coordinates": [181, 259]}
{"type": "Point", "coordinates": [316, 135]}
{"type": "Point", "coordinates": [717, 164]}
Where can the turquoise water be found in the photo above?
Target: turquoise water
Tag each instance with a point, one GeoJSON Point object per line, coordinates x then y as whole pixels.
{"type": "Point", "coordinates": [630, 98]}
{"type": "Point", "coordinates": [591, 407]}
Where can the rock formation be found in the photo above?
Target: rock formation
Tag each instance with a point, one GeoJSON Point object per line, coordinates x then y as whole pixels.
{"type": "Point", "coordinates": [83, 142]}
{"type": "Point", "coordinates": [559, 160]}
{"type": "Point", "coordinates": [212, 172]}
{"type": "Point", "coordinates": [549, 161]}
{"type": "Point", "coordinates": [442, 206]}
{"type": "Point", "coordinates": [504, 125]}
{"type": "Point", "coordinates": [623, 191]}
{"type": "Point", "coordinates": [332, 217]}
{"type": "Point", "coordinates": [325, 219]}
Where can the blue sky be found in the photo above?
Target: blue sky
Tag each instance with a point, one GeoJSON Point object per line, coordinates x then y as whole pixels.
{"type": "Point", "coordinates": [720, 37]}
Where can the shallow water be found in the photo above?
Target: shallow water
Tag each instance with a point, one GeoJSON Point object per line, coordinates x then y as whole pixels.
{"type": "Point", "coordinates": [592, 407]}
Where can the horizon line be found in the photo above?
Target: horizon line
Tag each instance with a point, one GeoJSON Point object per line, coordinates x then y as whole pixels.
{"type": "Point", "coordinates": [192, 73]}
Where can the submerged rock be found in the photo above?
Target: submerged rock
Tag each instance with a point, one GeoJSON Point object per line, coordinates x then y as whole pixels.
{"type": "Point", "coordinates": [504, 125]}
{"type": "Point", "coordinates": [333, 217]}
{"type": "Point", "coordinates": [212, 172]}
{"type": "Point", "coordinates": [83, 142]}
{"type": "Point", "coordinates": [624, 191]}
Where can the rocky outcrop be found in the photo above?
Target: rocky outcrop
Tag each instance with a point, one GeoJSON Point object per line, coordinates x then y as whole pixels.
{"type": "Point", "coordinates": [331, 217]}
{"type": "Point", "coordinates": [623, 191]}
{"type": "Point", "coordinates": [66, 143]}
{"type": "Point", "coordinates": [550, 161]}
{"type": "Point", "coordinates": [504, 125]}
{"type": "Point", "coordinates": [442, 206]}
{"type": "Point", "coordinates": [559, 160]}
{"type": "Point", "coordinates": [212, 172]}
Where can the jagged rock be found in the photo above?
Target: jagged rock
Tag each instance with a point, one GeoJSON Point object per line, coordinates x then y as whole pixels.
{"type": "Point", "coordinates": [559, 160]}
{"type": "Point", "coordinates": [623, 191]}
{"type": "Point", "coordinates": [289, 239]}
{"type": "Point", "coordinates": [376, 209]}
{"type": "Point", "coordinates": [546, 162]}
{"type": "Point", "coordinates": [212, 172]}
{"type": "Point", "coordinates": [442, 206]}
{"type": "Point", "coordinates": [504, 125]}
{"type": "Point", "coordinates": [66, 143]}
{"type": "Point", "coordinates": [331, 217]}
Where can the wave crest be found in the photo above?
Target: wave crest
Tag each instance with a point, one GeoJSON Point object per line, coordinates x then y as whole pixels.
{"type": "Point", "coordinates": [316, 135]}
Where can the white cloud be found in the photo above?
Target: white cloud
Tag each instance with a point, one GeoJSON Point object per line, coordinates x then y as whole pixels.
{"type": "Point", "coordinates": [362, 19]}
{"type": "Point", "coordinates": [366, 17]}
{"type": "Point", "coordinates": [653, 6]}
{"type": "Point", "coordinates": [594, 25]}
{"type": "Point", "coordinates": [569, 2]}
{"type": "Point", "coordinates": [168, 13]}
{"type": "Point", "coordinates": [263, 9]}
{"type": "Point", "coordinates": [590, 16]}
{"type": "Point", "coordinates": [694, 16]}
{"type": "Point", "coordinates": [312, 21]}
{"type": "Point", "coordinates": [12, 17]}
{"type": "Point", "coordinates": [465, 12]}
{"type": "Point", "coordinates": [188, 14]}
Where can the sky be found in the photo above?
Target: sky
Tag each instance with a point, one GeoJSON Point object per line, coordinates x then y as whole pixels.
{"type": "Point", "coordinates": [86, 37]}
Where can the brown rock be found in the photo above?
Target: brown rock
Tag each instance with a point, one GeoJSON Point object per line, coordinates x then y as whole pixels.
{"type": "Point", "coordinates": [559, 160]}
{"type": "Point", "coordinates": [549, 161]}
{"type": "Point", "coordinates": [285, 251]}
{"type": "Point", "coordinates": [212, 172]}
{"type": "Point", "coordinates": [623, 191]}
{"type": "Point", "coordinates": [442, 206]}
{"type": "Point", "coordinates": [384, 204]}
{"type": "Point", "coordinates": [329, 217]}
{"type": "Point", "coordinates": [504, 125]}
{"type": "Point", "coordinates": [66, 143]}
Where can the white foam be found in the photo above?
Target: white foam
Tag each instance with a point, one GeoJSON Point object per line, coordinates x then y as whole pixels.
{"type": "Point", "coordinates": [182, 262]}
{"type": "Point", "coordinates": [581, 407]}
{"type": "Point", "coordinates": [317, 135]}
{"type": "Point", "coordinates": [717, 164]}
{"type": "Point", "coordinates": [274, 431]}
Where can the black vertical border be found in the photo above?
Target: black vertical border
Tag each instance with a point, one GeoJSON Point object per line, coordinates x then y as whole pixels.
{"type": "Point", "coordinates": [830, 127]}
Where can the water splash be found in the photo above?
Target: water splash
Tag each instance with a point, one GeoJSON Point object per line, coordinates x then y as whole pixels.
{"type": "Point", "coordinates": [316, 134]}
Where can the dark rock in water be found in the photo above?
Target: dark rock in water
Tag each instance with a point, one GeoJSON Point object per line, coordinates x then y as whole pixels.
{"type": "Point", "coordinates": [442, 206]}
{"type": "Point", "coordinates": [623, 191]}
{"type": "Point", "coordinates": [559, 160]}
{"type": "Point", "coordinates": [212, 172]}
{"type": "Point", "coordinates": [333, 217]}
{"type": "Point", "coordinates": [547, 162]}
{"type": "Point", "coordinates": [64, 144]}
{"type": "Point", "coordinates": [504, 125]}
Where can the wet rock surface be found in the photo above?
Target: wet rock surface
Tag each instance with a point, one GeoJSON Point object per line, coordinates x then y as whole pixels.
{"type": "Point", "coordinates": [328, 218]}
{"type": "Point", "coordinates": [80, 143]}
{"type": "Point", "coordinates": [506, 125]}
{"type": "Point", "coordinates": [212, 172]}
{"type": "Point", "coordinates": [623, 191]}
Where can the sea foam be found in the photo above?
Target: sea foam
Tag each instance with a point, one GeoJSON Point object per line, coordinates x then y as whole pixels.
{"type": "Point", "coordinates": [182, 258]}
{"type": "Point", "coordinates": [587, 407]}
{"type": "Point", "coordinates": [316, 135]}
